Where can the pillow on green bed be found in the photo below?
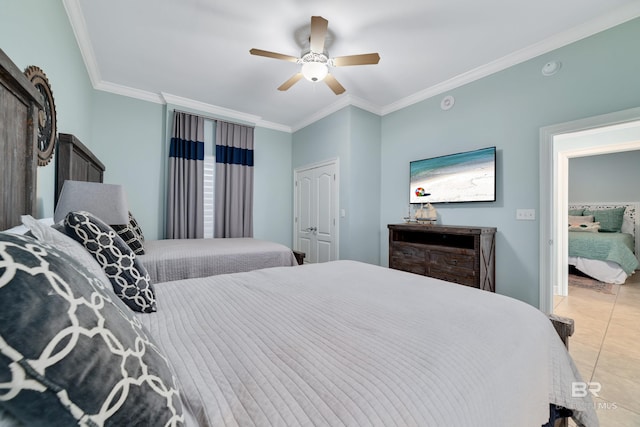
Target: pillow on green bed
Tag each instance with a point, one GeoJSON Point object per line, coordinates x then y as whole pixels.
{"type": "Point", "coordinates": [576, 212]}
{"type": "Point", "coordinates": [71, 353]}
{"type": "Point", "coordinates": [593, 227]}
{"type": "Point", "coordinates": [610, 219]}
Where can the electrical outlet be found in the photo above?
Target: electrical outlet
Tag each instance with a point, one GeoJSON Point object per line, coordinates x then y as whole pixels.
{"type": "Point", "coordinates": [526, 214]}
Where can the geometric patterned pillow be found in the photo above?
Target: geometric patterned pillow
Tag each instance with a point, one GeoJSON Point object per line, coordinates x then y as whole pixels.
{"type": "Point", "coordinates": [129, 278]}
{"type": "Point", "coordinates": [71, 353]}
{"type": "Point", "coordinates": [131, 233]}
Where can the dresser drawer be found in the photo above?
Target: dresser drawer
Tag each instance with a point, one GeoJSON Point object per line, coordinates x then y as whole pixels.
{"type": "Point", "coordinates": [460, 276]}
{"type": "Point", "coordinates": [408, 258]}
{"type": "Point", "coordinates": [453, 260]}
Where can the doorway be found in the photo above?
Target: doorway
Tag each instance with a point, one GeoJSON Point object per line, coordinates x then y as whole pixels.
{"type": "Point", "coordinates": [609, 133]}
{"type": "Point", "coordinates": [315, 204]}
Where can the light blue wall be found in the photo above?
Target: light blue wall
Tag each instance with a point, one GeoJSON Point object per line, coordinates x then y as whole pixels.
{"type": "Point", "coordinates": [128, 137]}
{"type": "Point", "coordinates": [37, 32]}
{"type": "Point", "coordinates": [599, 75]}
{"type": "Point", "coordinates": [273, 187]}
{"type": "Point", "coordinates": [605, 178]}
{"type": "Point", "coordinates": [363, 194]}
{"type": "Point", "coordinates": [353, 136]}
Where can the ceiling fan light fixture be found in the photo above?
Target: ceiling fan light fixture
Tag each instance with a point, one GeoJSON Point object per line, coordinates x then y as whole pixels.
{"type": "Point", "coordinates": [314, 71]}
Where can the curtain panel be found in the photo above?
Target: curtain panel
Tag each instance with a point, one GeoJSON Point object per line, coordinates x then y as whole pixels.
{"type": "Point", "coordinates": [185, 198]}
{"type": "Point", "coordinates": [234, 181]}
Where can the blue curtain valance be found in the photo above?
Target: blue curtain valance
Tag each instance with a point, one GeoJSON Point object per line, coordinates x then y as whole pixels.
{"type": "Point", "coordinates": [184, 149]}
{"type": "Point", "coordinates": [234, 155]}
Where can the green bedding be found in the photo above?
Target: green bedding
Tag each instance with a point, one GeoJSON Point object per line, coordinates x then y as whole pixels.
{"type": "Point", "coordinates": [616, 247]}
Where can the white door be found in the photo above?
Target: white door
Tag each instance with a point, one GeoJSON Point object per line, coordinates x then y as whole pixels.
{"type": "Point", "coordinates": [315, 215]}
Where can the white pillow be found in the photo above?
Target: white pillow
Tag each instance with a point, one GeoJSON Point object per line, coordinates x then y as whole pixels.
{"type": "Point", "coordinates": [66, 244]}
{"type": "Point", "coordinates": [18, 229]}
{"type": "Point", "coordinates": [580, 219]}
{"type": "Point", "coordinates": [22, 229]}
{"type": "Point", "coordinates": [593, 227]}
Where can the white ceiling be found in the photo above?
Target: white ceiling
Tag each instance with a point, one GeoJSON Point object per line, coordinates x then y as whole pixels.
{"type": "Point", "coordinates": [195, 53]}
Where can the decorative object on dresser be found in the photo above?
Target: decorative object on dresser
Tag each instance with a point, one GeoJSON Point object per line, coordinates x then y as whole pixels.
{"type": "Point", "coordinates": [20, 102]}
{"type": "Point", "coordinates": [75, 162]}
{"type": "Point", "coordinates": [459, 254]}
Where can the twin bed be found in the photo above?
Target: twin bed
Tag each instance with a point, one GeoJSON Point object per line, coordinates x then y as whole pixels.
{"type": "Point", "coordinates": [339, 343]}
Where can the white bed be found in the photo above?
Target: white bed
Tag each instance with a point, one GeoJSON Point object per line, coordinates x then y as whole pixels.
{"type": "Point", "coordinates": [347, 343]}
{"type": "Point", "coordinates": [175, 259]}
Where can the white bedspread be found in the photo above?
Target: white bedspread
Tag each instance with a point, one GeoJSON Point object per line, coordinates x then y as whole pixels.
{"type": "Point", "coordinates": [346, 343]}
{"type": "Point", "coordinates": [176, 259]}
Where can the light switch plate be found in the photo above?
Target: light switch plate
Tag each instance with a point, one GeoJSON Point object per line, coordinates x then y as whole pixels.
{"type": "Point", "coordinates": [526, 214]}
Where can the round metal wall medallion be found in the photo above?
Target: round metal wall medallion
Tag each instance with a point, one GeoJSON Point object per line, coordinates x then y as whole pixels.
{"type": "Point", "coordinates": [46, 117]}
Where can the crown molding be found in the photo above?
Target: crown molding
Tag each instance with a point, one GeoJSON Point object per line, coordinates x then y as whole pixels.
{"type": "Point", "coordinates": [129, 92]}
{"type": "Point", "coordinates": [79, 28]}
{"type": "Point", "coordinates": [602, 23]}
{"type": "Point", "coordinates": [221, 112]}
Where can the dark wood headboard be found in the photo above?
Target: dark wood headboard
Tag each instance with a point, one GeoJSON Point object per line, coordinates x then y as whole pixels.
{"type": "Point", "coordinates": [20, 103]}
{"type": "Point", "coordinates": [75, 162]}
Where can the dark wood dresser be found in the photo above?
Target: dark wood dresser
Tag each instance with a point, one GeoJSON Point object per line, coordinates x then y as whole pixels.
{"type": "Point", "coordinates": [459, 254]}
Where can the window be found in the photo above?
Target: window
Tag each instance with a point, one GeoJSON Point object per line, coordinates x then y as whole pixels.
{"type": "Point", "coordinates": [209, 176]}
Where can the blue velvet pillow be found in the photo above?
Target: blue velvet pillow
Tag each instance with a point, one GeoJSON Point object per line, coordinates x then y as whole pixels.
{"type": "Point", "coordinates": [129, 278]}
{"type": "Point", "coordinates": [71, 353]}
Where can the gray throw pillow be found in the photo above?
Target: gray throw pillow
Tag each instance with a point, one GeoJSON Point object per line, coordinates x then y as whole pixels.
{"type": "Point", "coordinates": [129, 278]}
{"type": "Point", "coordinates": [71, 353]}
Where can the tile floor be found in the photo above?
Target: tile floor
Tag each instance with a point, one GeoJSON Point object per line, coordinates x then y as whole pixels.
{"type": "Point", "coordinates": [606, 347]}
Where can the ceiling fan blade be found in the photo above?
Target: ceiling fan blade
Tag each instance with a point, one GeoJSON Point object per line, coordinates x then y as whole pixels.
{"type": "Point", "coordinates": [336, 87]}
{"type": "Point", "coordinates": [293, 80]}
{"type": "Point", "coordinates": [260, 52]}
{"type": "Point", "coordinates": [318, 33]}
{"type": "Point", "coordinates": [364, 59]}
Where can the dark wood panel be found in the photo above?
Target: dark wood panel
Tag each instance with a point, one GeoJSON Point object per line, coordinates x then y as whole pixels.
{"type": "Point", "coordinates": [19, 106]}
{"type": "Point", "coordinates": [75, 162]}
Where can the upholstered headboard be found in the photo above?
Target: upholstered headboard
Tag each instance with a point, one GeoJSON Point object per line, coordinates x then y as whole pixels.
{"type": "Point", "coordinates": [631, 221]}
{"type": "Point", "coordinates": [75, 162]}
{"type": "Point", "coordinates": [20, 103]}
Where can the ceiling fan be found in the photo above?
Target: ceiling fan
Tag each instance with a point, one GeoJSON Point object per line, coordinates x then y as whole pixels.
{"type": "Point", "coordinates": [316, 61]}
